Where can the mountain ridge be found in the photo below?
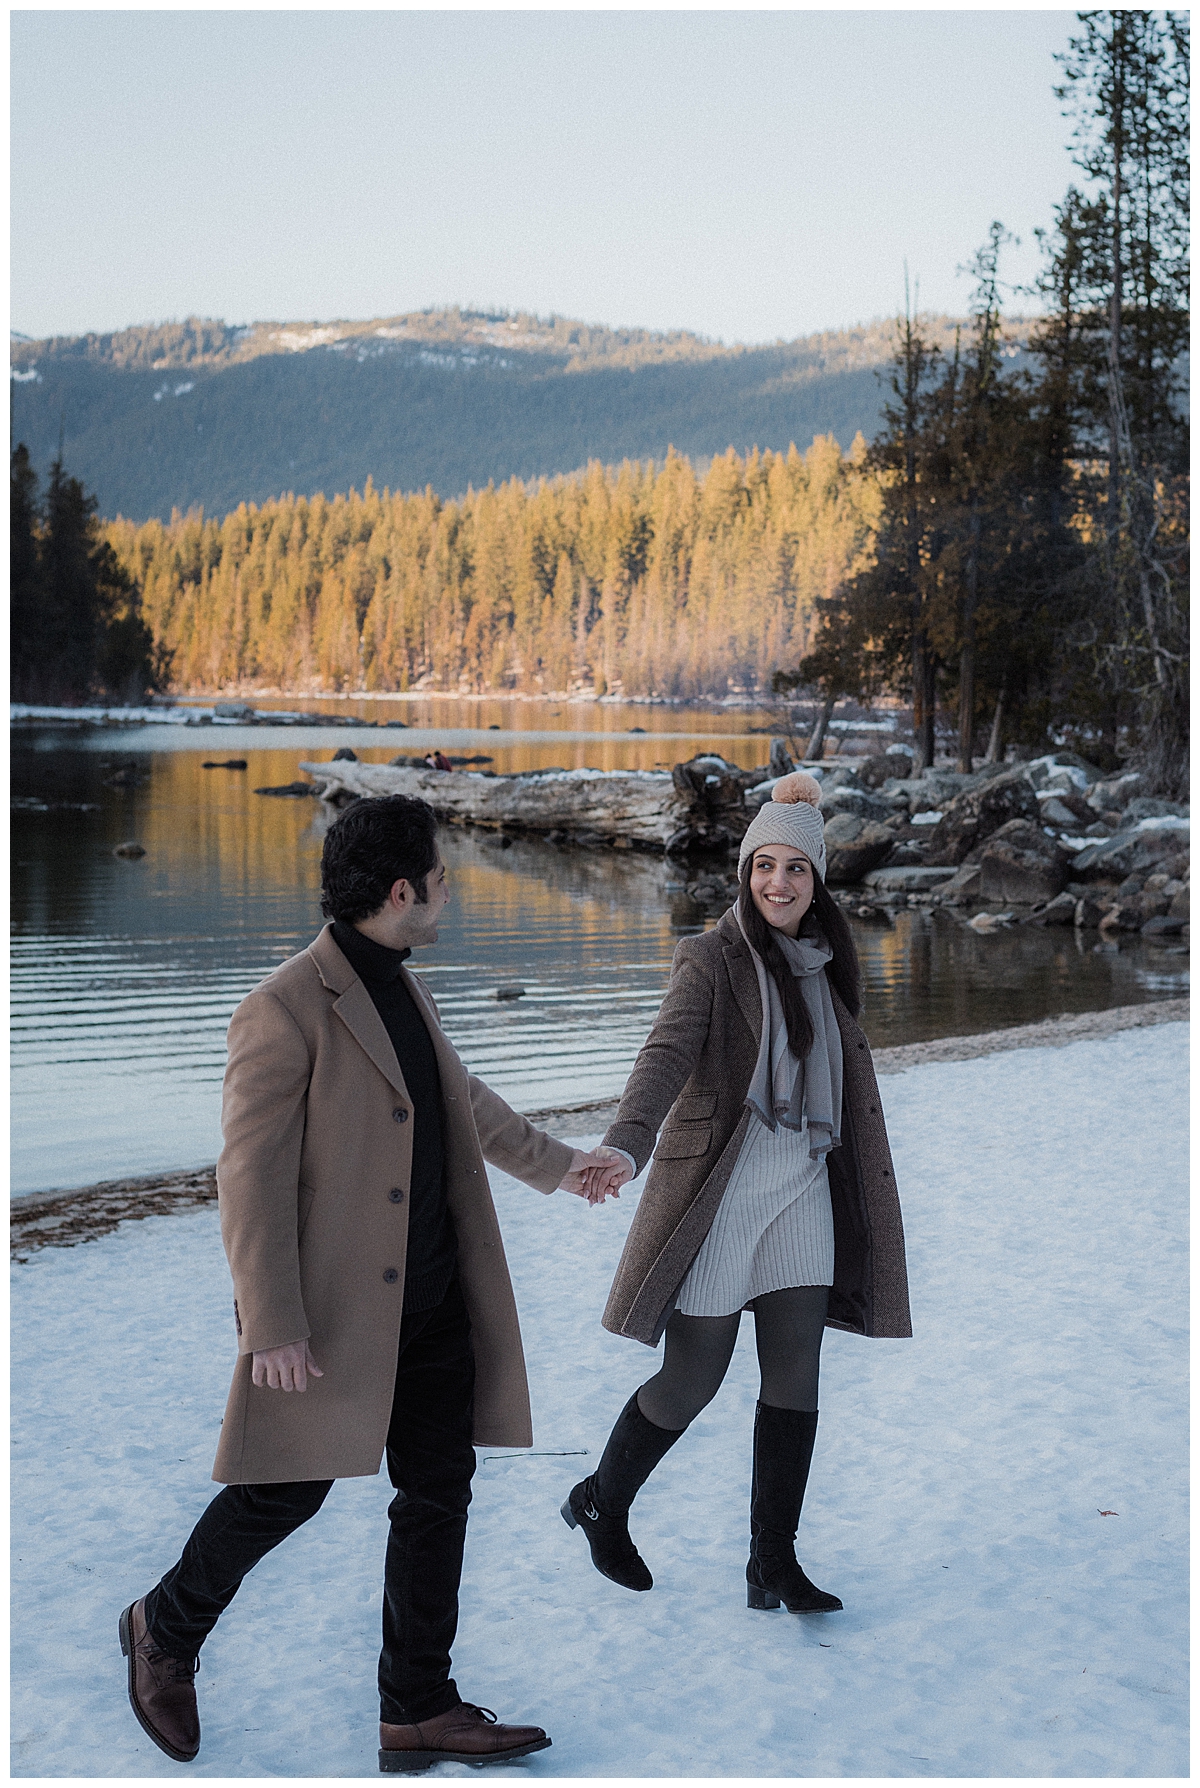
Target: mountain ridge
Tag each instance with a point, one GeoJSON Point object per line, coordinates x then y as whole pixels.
{"type": "Point", "coordinates": [447, 398]}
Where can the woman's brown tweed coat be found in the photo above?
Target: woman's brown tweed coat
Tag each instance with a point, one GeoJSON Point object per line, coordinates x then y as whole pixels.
{"type": "Point", "coordinates": [694, 1070]}
{"type": "Point", "coordinates": [318, 1143]}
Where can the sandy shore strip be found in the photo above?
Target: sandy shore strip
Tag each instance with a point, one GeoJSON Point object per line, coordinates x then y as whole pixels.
{"type": "Point", "coordinates": [61, 1219]}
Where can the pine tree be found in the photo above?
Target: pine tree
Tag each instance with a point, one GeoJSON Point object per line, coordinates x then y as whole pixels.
{"type": "Point", "coordinates": [1126, 85]}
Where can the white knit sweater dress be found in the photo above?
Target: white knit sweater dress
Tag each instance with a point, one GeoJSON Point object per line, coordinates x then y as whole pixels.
{"type": "Point", "coordinates": [773, 1228]}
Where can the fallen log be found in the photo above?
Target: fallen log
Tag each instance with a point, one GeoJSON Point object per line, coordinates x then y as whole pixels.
{"type": "Point", "coordinates": [658, 810]}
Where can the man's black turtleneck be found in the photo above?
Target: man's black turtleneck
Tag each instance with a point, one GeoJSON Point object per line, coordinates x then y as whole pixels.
{"type": "Point", "coordinates": [431, 1241]}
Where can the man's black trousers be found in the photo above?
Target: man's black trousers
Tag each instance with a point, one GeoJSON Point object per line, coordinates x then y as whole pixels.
{"type": "Point", "coordinates": [430, 1461]}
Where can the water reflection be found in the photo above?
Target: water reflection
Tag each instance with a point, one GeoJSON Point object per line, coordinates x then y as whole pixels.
{"type": "Point", "coordinates": [125, 972]}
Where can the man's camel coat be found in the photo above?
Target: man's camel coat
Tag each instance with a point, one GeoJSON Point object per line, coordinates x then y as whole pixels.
{"type": "Point", "coordinates": [317, 1125]}
{"type": "Point", "coordinates": [695, 1070]}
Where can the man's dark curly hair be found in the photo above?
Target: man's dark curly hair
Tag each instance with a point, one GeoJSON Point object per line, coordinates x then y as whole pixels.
{"type": "Point", "coordinates": [373, 844]}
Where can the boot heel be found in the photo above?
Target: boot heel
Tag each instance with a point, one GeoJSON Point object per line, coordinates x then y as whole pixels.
{"type": "Point", "coordinates": [762, 1599]}
{"type": "Point", "coordinates": [566, 1514]}
{"type": "Point", "coordinates": [123, 1633]}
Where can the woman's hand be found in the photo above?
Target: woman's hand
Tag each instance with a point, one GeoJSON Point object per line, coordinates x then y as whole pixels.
{"type": "Point", "coordinates": [590, 1176]}
{"type": "Point", "coordinates": [608, 1177]}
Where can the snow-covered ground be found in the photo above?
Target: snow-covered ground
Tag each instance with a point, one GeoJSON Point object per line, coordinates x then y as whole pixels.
{"type": "Point", "coordinates": [997, 1622]}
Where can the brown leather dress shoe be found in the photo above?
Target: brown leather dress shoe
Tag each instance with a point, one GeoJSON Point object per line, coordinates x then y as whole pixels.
{"type": "Point", "coordinates": [162, 1690]}
{"type": "Point", "coordinates": [463, 1734]}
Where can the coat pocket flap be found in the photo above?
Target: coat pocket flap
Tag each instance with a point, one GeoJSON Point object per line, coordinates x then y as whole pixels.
{"type": "Point", "coordinates": [683, 1143]}
{"type": "Point", "coordinates": [693, 1108]}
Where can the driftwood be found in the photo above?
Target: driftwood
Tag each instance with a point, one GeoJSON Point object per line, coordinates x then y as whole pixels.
{"type": "Point", "coordinates": [701, 803]}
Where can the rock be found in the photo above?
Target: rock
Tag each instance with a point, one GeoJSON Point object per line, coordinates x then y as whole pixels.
{"type": "Point", "coordinates": [1136, 848]}
{"type": "Point", "coordinates": [837, 776]}
{"type": "Point", "coordinates": [1089, 912]}
{"type": "Point", "coordinates": [1057, 813]}
{"type": "Point", "coordinates": [1133, 911]}
{"type": "Point", "coordinates": [233, 711]}
{"type": "Point", "coordinates": [344, 755]}
{"type": "Point", "coordinates": [782, 763]}
{"type": "Point", "coordinates": [127, 776]}
{"type": "Point", "coordinates": [297, 789]}
{"type": "Point", "coordinates": [877, 770]}
{"type": "Point", "coordinates": [1059, 911]}
{"type": "Point", "coordinates": [1062, 768]}
{"type": "Point", "coordinates": [1163, 926]}
{"type": "Point", "coordinates": [1180, 907]}
{"type": "Point", "coordinates": [933, 791]}
{"type": "Point", "coordinates": [129, 850]}
{"type": "Point", "coordinates": [1133, 884]}
{"type": "Point", "coordinates": [963, 886]}
{"type": "Point", "coordinates": [977, 813]}
{"type": "Point", "coordinates": [1113, 792]}
{"type": "Point", "coordinates": [1098, 829]}
{"type": "Point", "coordinates": [903, 879]}
{"type": "Point", "coordinates": [1145, 808]}
{"type": "Point", "coordinates": [510, 990]}
{"type": "Point", "coordinates": [854, 847]}
{"type": "Point", "coordinates": [229, 763]}
{"type": "Point", "coordinates": [1019, 863]}
{"type": "Point", "coordinates": [906, 855]}
{"type": "Point", "coordinates": [985, 922]}
{"type": "Point", "coordinates": [847, 798]}
{"type": "Point", "coordinates": [876, 915]}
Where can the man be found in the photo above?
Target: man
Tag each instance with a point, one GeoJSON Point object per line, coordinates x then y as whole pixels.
{"type": "Point", "coordinates": [372, 1301]}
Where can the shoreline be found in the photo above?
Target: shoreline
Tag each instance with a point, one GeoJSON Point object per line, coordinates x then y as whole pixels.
{"type": "Point", "coordinates": [66, 1218]}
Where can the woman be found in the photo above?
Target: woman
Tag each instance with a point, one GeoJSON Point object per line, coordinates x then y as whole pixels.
{"type": "Point", "coordinates": [772, 1188]}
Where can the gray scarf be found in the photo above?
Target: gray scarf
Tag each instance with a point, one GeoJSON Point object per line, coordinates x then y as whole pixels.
{"type": "Point", "coordinates": [783, 1090]}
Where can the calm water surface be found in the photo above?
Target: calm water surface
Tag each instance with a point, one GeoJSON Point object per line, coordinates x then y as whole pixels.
{"type": "Point", "coordinates": [125, 972]}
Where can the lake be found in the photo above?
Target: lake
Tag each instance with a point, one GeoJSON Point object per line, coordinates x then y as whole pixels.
{"type": "Point", "coordinates": [125, 972]}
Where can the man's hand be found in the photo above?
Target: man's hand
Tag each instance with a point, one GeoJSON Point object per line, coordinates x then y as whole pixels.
{"type": "Point", "coordinates": [596, 1175]}
{"type": "Point", "coordinates": [285, 1368]}
{"type": "Point", "coordinates": [611, 1174]}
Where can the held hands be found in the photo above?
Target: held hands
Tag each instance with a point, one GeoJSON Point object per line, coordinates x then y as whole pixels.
{"type": "Point", "coordinates": [285, 1368]}
{"type": "Point", "coordinates": [594, 1176]}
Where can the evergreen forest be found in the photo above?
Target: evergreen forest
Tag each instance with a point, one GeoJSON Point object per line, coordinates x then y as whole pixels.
{"type": "Point", "coordinates": [76, 628]}
{"type": "Point", "coordinates": [650, 579]}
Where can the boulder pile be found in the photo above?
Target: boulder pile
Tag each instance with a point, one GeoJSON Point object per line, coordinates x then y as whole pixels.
{"type": "Point", "coordinates": [1054, 836]}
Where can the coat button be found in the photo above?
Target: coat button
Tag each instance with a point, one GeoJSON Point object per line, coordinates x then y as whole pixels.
{"type": "Point", "coordinates": [390, 1276]}
{"type": "Point", "coordinates": [400, 1115]}
{"type": "Point", "coordinates": [397, 1195]}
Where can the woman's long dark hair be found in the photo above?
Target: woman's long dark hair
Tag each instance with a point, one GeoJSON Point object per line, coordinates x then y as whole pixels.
{"type": "Point", "coordinates": [823, 915]}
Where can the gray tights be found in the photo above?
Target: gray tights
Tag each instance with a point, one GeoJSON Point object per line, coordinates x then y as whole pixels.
{"type": "Point", "coordinates": [788, 1327]}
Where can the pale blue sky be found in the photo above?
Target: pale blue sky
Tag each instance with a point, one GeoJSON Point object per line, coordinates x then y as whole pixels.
{"type": "Point", "coordinates": [744, 174]}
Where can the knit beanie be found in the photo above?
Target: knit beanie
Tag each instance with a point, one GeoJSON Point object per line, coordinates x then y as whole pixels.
{"type": "Point", "coordinates": [791, 817]}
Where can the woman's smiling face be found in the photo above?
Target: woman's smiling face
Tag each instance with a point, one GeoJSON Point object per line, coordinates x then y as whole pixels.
{"type": "Point", "coordinates": [781, 886]}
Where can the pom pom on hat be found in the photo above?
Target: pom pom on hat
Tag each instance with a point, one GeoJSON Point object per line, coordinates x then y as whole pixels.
{"type": "Point", "coordinates": [792, 818]}
{"type": "Point", "coordinates": [799, 786]}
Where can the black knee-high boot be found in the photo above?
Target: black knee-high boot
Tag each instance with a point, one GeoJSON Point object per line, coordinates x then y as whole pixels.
{"type": "Point", "coordinates": [600, 1504]}
{"type": "Point", "coordinates": [783, 1449]}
